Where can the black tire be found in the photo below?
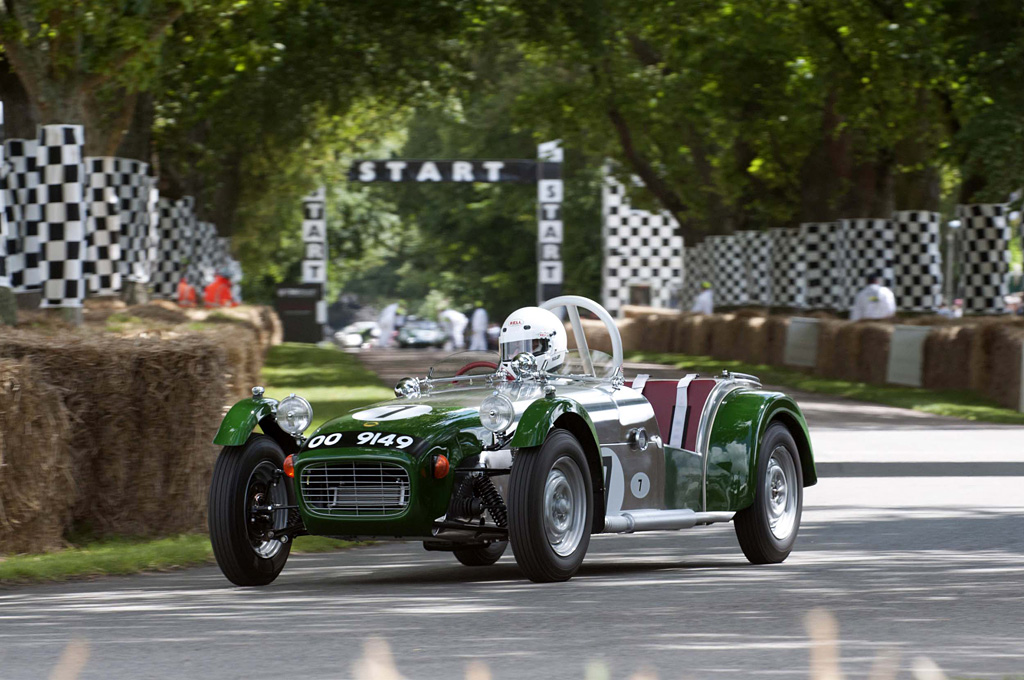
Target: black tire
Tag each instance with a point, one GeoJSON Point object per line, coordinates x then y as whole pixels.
{"type": "Point", "coordinates": [528, 482]}
{"type": "Point", "coordinates": [753, 525]}
{"type": "Point", "coordinates": [230, 489]}
{"type": "Point", "coordinates": [481, 555]}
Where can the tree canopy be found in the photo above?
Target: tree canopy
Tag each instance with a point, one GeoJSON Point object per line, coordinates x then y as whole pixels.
{"type": "Point", "coordinates": [736, 115]}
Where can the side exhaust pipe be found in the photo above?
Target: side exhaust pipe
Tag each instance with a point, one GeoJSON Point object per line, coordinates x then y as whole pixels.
{"type": "Point", "coordinates": [632, 521]}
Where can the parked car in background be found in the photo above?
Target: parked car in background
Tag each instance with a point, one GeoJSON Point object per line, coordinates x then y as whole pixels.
{"type": "Point", "coordinates": [420, 333]}
{"type": "Point", "coordinates": [358, 334]}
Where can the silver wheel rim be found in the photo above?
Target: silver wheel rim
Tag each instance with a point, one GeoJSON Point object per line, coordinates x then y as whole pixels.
{"type": "Point", "coordinates": [781, 493]}
{"type": "Point", "coordinates": [565, 510]}
{"type": "Point", "coordinates": [272, 491]}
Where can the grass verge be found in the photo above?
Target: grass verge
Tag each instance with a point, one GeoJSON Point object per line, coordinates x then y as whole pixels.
{"type": "Point", "coordinates": [954, 403]}
{"type": "Point", "coordinates": [115, 556]}
{"type": "Point", "coordinates": [333, 382]}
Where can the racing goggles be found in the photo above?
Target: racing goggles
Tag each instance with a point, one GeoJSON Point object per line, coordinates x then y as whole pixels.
{"type": "Point", "coordinates": [536, 347]}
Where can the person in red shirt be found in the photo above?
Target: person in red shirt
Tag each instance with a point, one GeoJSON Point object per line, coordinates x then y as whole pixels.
{"type": "Point", "coordinates": [186, 293]}
{"type": "Point", "coordinates": [218, 293]}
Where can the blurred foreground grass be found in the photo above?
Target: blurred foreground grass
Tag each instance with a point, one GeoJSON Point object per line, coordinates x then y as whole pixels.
{"type": "Point", "coordinates": [954, 403]}
{"type": "Point", "coordinates": [333, 382]}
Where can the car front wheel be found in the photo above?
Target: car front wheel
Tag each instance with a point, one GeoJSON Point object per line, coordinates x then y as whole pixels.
{"type": "Point", "coordinates": [550, 508]}
{"type": "Point", "coordinates": [767, 529]}
{"type": "Point", "coordinates": [248, 482]}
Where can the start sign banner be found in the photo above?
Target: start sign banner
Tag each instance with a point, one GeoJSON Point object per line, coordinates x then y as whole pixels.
{"type": "Point", "coordinates": [514, 171]}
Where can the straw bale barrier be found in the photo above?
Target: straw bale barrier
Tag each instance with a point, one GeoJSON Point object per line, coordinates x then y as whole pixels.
{"type": "Point", "coordinates": [36, 484]}
{"type": "Point", "coordinates": [778, 328]}
{"type": "Point", "coordinates": [947, 358]}
{"type": "Point", "coordinates": [827, 357]}
{"type": "Point", "coordinates": [143, 413]}
{"type": "Point", "coordinates": [871, 363]}
{"type": "Point", "coordinates": [996, 362]}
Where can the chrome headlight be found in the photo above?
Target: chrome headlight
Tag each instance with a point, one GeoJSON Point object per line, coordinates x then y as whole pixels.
{"type": "Point", "coordinates": [497, 413]}
{"type": "Point", "coordinates": [294, 414]}
{"type": "Point", "coordinates": [408, 388]}
{"type": "Point", "coordinates": [525, 363]}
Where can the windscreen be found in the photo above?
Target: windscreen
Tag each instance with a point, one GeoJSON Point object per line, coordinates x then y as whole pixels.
{"type": "Point", "coordinates": [536, 346]}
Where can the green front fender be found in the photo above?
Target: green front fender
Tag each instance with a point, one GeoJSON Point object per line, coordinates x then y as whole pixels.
{"type": "Point", "coordinates": [540, 416]}
{"type": "Point", "coordinates": [242, 419]}
{"type": "Point", "coordinates": [734, 446]}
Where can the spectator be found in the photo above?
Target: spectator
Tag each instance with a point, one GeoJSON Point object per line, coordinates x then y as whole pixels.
{"type": "Point", "coordinates": [218, 293]}
{"type": "Point", "coordinates": [874, 301]}
{"type": "Point", "coordinates": [705, 302]}
{"type": "Point", "coordinates": [387, 322]}
{"type": "Point", "coordinates": [455, 322]}
{"type": "Point", "coordinates": [186, 293]}
{"type": "Point", "coordinates": [478, 325]}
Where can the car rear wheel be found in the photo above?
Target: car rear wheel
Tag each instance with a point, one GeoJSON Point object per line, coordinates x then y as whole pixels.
{"type": "Point", "coordinates": [767, 529]}
{"type": "Point", "coordinates": [248, 481]}
{"type": "Point", "coordinates": [481, 555]}
{"type": "Point", "coordinates": [550, 508]}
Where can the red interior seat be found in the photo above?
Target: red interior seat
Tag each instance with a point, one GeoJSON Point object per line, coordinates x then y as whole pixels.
{"type": "Point", "coordinates": [661, 393]}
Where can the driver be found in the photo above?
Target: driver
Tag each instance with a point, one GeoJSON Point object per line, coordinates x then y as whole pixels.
{"type": "Point", "coordinates": [537, 331]}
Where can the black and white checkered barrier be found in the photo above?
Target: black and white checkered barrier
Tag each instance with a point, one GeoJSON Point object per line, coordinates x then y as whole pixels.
{"type": "Point", "coordinates": [984, 240]}
{"type": "Point", "coordinates": [756, 247]}
{"type": "Point", "coordinates": [21, 182]}
{"type": "Point", "coordinates": [170, 249]}
{"type": "Point", "coordinates": [730, 281]}
{"type": "Point", "coordinates": [917, 260]}
{"type": "Point", "coordinates": [104, 231]}
{"type": "Point", "coordinates": [867, 250]}
{"type": "Point", "coordinates": [63, 227]}
{"type": "Point", "coordinates": [640, 248]}
{"type": "Point", "coordinates": [824, 277]}
{"type": "Point", "coordinates": [5, 281]}
{"type": "Point", "coordinates": [133, 183]}
{"type": "Point", "coordinates": [788, 268]}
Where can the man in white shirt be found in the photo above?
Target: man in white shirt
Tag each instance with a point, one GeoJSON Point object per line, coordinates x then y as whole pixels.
{"type": "Point", "coordinates": [874, 301]}
{"type": "Point", "coordinates": [704, 303]}
{"type": "Point", "coordinates": [456, 323]}
{"type": "Point", "coordinates": [478, 326]}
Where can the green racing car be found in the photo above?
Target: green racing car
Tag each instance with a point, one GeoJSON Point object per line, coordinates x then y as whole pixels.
{"type": "Point", "coordinates": [536, 447]}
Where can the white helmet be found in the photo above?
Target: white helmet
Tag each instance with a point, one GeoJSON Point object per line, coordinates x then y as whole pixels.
{"type": "Point", "coordinates": [537, 331]}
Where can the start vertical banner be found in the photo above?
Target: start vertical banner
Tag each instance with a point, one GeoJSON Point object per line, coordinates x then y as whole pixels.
{"type": "Point", "coordinates": [314, 238]}
{"type": "Point", "coordinates": [550, 192]}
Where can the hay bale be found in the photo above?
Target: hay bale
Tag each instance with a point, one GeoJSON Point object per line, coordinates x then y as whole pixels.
{"type": "Point", "coordinates": [828, 360]}
{"type": "Point", "coordinates": [872, 358]}
{"type": "Point", "coordinates": [144, 412]}
{"type": "Point", "coordinates": [159, 310]}
{"type": "Point", "coordinates": [751, 338]}
{"type": "Point", "coordinates": [947, 358]}
{"type": "Point", "coordinates": [996, 362]}
{"type": "Point", "coordinates": [721, 340]}
{"type": "Point", "coordinates": [36, 486]}
{"type": "Point", "coordinates": [656, 333]}
{"type": "Point", "coordinates": [694, 335]}
{"type": "Point", "coordinates": [778, 327]}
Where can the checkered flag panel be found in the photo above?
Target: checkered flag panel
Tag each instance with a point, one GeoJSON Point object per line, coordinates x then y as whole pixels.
{"type": "Point", "coordinates": [756, 247]}
{"type": "Point", "coordinates": [787, 268]}
{"type": "Point", "coordinates": [730, 273]}
{"type": "Point", "coordinates": [104, 234]}
{"type": "Point", "coordinates": [62, 230]}
{"type": "Point", "coordinates": [984, 257]}
{"type": "Point", "coordinates": [25, 213]}
{"type": "Point", "coordinates": [5, 281]}
{"type": "Point", "coordinates": [824, 282]}
{"type": "Point", "coordinates": [917, 260]}
{"type": "Point", "coordinates": [697, 270]}
{"type": "Point", "coordinates": [641, 248]}
{"type": "Point", "coordinates": [868, 249]}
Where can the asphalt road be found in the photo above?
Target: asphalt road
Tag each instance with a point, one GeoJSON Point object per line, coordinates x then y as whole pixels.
{"type": "Point", "coordinates": [909, 562]}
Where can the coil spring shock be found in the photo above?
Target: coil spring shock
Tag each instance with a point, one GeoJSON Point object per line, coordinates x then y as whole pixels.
{"type": "Point", "coordinates": [492, 500]}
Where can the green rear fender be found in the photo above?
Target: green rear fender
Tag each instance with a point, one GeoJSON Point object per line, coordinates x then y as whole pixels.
{"type": "Point", "coordinates": [734, 446]}
{"type": "Point", "coordinates": [243, 418]}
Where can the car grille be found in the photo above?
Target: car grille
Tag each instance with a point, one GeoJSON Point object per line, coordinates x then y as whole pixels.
{"type": "Point", "coordinates": [355, 489]}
